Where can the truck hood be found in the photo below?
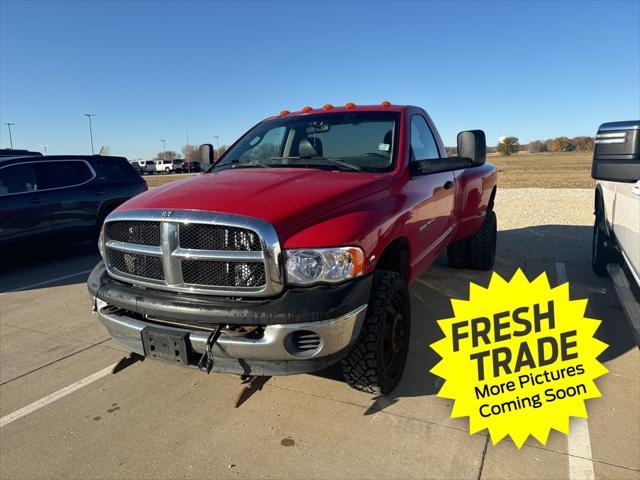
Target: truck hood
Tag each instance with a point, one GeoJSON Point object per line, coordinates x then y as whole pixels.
{"type": "Point", "coordinates": [283, 196]}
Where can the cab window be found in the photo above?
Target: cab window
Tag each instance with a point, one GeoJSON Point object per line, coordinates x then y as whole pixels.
{"type": "Point", "coordinates": [18, 179]}
{"type": "Point", "coordinates": [423, 145]}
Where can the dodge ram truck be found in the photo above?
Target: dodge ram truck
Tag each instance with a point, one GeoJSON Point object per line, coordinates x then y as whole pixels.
{"type": "Point", "coordinates": [295, 249]}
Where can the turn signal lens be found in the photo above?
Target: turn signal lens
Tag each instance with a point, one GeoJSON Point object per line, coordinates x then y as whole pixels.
{"type": "Point", "coordinates": [386, 104]}
{"type": "Point", "coordinates": [307, 109]}
{"type": "Point", "coordinates": [284, 112]}
{"type": "Point", "coordinates": [350, 105]}
{"type": "Point", "coordinates": [327, 106]}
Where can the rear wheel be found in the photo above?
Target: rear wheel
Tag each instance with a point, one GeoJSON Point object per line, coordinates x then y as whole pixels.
{"type": "Point", "coordinates": [377, 359]}
{"type": "Point", "coordinates": [599, 254]}
{"type": "Point", "coordinates": [482, 244]}
{"type": "Point", "coordinates": [458, 254]}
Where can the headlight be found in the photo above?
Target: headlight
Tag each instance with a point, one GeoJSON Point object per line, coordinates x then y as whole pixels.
{"type": "Point", "coordinates": [101, 241]}
{"type": "Point", "coordinates": [318, 265]}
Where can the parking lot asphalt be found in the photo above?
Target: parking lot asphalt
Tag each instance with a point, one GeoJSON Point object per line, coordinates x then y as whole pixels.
{"type": "Point", "coordinates": [158, 421]}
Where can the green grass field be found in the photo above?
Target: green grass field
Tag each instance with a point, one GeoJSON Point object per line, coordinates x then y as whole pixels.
{"type": "Point", "coordinates": [539, 170]}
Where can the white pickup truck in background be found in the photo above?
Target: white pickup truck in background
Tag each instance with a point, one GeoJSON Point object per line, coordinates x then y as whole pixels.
{"type": "Point", "coordinates": [616, 232]}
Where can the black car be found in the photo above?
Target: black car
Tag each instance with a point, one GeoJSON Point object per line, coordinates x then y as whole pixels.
{"type": "Point", "coordinates": [15, 152]}
{"type": "Point", "coordinates": [62, 195]}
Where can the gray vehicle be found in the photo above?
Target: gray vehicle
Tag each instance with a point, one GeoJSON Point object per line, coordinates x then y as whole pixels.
{"type": "Point", "coordinates": [616, 232]}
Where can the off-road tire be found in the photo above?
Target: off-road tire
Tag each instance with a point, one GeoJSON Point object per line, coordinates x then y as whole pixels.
{"type": "Point", "coordinates": [599, 251]}
{"type": "Point", "coordinates": [458, 254]}
{"type": "Point", "coordinates": [376, 360]}
{"type": "Point", "coordinates": [482, 244]}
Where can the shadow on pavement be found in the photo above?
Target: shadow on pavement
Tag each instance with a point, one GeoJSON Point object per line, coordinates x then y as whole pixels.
{"type": "Point", "coordinates": [36, 263]}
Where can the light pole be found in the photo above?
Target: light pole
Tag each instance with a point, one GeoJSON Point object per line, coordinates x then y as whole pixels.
{"type": "Point", "coordinates": [164, 149]}
{"type": "Point", "coordinates": [217, 147]}
{"type": "Point", "coordinates": [9, 125]}
{"type": "Point", "coordinates": [89, 115]}
{"type": "Point", "coordinates": [45, 148]}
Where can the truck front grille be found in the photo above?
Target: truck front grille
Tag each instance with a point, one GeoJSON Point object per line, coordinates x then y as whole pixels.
{"type": "Point", "coordinates": [145, 266]}
{"type": "Point", "coordinates": [141, 233]}
{"type": "Point", "coordinates": [216, 237]}
{"type": "Point", "coordinates": [228, 274]}
{"type": "Point", "coordinates": [196, 252]}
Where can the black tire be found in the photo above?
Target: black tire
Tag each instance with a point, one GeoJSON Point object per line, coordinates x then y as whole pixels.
{"type": "Point", "coordinates": [599, 253]}
{"type": "Point", "coordinates": [482, 244]}
{"type": "Point", "coordinates": [376, 360]}
{"type": "Point", "coordinates": [458, 254]}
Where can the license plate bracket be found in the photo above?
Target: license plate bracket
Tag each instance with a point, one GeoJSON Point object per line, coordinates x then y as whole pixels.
{"type": "Point", "coordinates": [166, 345]}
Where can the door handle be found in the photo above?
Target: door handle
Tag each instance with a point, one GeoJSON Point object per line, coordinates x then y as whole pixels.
{"type": "Point", "coordinates": [448, 184]}
{"type": "Point", "coordinates": [97, 193]}
{"type": "Point", "coordinates": [636, 190]}
{"type": "Point", "coordinates": [36, 200]}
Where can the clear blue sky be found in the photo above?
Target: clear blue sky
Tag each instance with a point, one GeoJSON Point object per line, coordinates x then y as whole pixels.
{"type": "Point", "coordinates": [528, 69]}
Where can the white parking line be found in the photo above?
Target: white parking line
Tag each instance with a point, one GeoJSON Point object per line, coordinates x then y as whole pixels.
{"type": "Point", "coordinates": [38, 404]}
{"type": "Point", "coordinates": [44, 282]}
{"type": "Point", "coordinates": [579, 442]}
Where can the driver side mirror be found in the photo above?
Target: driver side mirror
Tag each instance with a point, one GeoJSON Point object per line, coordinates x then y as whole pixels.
{"type": "Point", "coordinates": [472, 144]}
{"type": "Point", "coordinates": [206, 155]}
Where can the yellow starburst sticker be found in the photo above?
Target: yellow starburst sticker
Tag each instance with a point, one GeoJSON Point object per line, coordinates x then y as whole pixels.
{"type": "Point", "coordinates": [519, 358]}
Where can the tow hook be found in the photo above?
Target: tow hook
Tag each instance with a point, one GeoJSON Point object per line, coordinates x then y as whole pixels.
{"type": "Point", "coordinates": [206, 360]}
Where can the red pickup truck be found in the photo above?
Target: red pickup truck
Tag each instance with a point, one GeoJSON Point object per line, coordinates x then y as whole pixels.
{"type": "Point", "coordinates": [296, 248]}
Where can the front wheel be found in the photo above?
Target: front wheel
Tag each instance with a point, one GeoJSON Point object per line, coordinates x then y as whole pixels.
{"type": "Point", "coordinates": [376, 361]}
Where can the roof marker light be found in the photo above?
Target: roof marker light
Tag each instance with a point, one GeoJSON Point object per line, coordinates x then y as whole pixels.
{"type": "Point", "coordinates": [327, 106]}
{"type": "Point", "coordinates": [284, 112]}
{"type": "Point", "coordinates": [350, 105]}
{"type": "Point", "coordinates": [386, 104]}
{"type": "Point", "coordinates": [307, 109]}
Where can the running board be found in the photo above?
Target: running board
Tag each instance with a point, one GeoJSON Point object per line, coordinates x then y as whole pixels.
{"type": "Point", "coordinates": [630, 305]}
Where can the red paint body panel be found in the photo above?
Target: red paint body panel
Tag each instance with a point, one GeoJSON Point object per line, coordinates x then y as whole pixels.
{"type": "Point", "coordinates": [318, 208]}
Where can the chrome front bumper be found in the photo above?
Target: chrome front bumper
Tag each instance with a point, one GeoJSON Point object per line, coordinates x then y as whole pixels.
{"type": "Point", "coordinates": [335, 336]}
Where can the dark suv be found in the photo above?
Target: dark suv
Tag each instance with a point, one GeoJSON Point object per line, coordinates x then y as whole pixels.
{"type": "Point", "coordinates": [64, 195]}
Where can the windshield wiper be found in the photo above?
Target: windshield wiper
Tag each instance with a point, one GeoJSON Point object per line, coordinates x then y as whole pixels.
{"type": "Point", "coordinates": [242, 163]}
{"type": "Point", "coordinates": [347, 165]}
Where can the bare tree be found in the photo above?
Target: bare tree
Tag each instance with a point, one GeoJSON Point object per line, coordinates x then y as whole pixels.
{"type": "Point", "coordinates": [536, 146]}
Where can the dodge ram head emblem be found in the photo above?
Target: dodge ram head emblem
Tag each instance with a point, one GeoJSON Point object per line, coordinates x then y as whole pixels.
{"type": "Point", "coordinates": [166, 213]}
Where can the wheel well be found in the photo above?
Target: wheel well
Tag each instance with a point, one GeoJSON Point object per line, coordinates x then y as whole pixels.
{"type": "Point", "coordinates": [597, 200]}
{"type": "Point", "coordinates": [395, 257]}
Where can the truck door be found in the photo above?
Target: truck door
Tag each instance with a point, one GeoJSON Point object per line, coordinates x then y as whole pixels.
{"type": "Point", "coordinates": [434, 193]}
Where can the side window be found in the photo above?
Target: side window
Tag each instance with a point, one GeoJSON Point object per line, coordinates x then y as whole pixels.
{"type": "Point", "coordinates": [423, 145]}
{"type": "Point", "coordinates": [65, 174]}
{"type": "Point", "coordinates": [268, 146]}
{"type": "Point", "coordinates": [18, 179]}
{"type": "Point", "coordinates": [112, 169]}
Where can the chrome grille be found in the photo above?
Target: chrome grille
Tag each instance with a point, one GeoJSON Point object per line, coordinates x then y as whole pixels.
{"type": "Point", "coordinates": [193, 251]}
{"type": "Point", "coordinates": [243, 274]}
{"type": "Point", "coordinates": [135, 264]}
{"type": "Point", "coordinates": [141, 233]}
{"type": "Point", "coordinates": [216, 237]}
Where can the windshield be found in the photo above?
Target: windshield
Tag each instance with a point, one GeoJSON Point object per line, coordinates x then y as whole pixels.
{"type": "Point", "coordinates": [351, 141]}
